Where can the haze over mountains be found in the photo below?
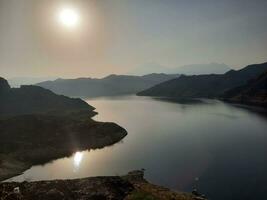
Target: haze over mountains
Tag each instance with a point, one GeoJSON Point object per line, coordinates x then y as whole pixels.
{"type": "Point", "coordinates": [193, 69]}
{"type": "Point", "coordinates": [198, 69]}
{"type": "Point", "coordinates": [205, 86]}
{"type": "Point", "coordinates": [127, 84]}
{"type": "Point", "coordinates": [107, 86]}
{"type": "Point", "coordinates": [18, 81]}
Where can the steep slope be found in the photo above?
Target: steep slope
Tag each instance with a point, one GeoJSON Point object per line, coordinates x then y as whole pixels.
{"type": "Point", "coordinates": [34, 99]}
{"type": "Point", "coordinates": [254, 92]}
{"type": "Point", "coordinates": [108, 86]}
{"type": "Point", "coordinates": [205, 86]}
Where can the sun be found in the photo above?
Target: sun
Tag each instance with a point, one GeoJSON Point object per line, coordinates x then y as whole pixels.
{"type": "Point", "coordinates": [69, 17]}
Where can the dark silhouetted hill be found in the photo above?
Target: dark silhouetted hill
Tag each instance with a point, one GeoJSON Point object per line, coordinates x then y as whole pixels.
{"type": "Point", "coordinates": [108, 86]}
{"type": "Point", "coordinates": [205, 86]}
{"type": "Point", "coordinates": [34, 99]}
{"type": "Point", "coordinates": [254, 92]}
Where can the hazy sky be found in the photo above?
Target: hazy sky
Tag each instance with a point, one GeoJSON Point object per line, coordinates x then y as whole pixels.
{"type": "Point", "coordinates": [116, 36]}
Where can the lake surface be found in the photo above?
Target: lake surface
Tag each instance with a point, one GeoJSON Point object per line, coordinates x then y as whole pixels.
{"type": "Point", "coordinates": [219, 148]}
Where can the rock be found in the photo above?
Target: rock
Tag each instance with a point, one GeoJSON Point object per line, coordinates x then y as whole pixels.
{"type": "Point", "coordinates": [136, 176]}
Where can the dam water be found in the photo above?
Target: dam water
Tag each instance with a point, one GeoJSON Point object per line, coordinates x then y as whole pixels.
{"type": "Point", "coordinates": [217, 147]}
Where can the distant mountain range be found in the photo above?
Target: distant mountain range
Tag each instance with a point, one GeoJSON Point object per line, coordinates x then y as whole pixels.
{"type": "Point", "coordinates": [194, 69]}
{"type": "Point", "coordinates": [107, 86]}
{"type": "Point", "coordinates": [34, 99]}
{"type": "Point", "coordinates": [205, 86]}
{"type": "Point", "coordinates": [198, 69]}
{"type": "Point", "coordinates": [254, 92]}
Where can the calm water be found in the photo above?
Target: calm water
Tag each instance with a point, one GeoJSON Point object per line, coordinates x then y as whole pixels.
{"type": "Point", "coordinates": [223, 146]}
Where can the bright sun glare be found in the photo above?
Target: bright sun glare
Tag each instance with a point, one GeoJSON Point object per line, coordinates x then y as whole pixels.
{"type": "Point", "coordinates": [69, 17]}
{"type": "Point", "coordinates": [78, 156]}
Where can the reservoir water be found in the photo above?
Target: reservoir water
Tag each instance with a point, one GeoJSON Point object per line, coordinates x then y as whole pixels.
{"type": "Point", "coordinates": [219, 148]}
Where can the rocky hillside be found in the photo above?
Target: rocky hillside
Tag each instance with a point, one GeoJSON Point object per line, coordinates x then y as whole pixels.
{"type": "Point", "coordinates": [254, 92]}
{"type": "Point", "coordinates": [205, 86]}
{"type": "Point", "coordinates": [130, 187]}
{"type": "Point", "coordinates": [34, 99]}
{"type": "Point", "coordinates": [107, 86]}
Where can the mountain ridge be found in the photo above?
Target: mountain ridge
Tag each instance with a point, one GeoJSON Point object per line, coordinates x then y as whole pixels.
{"type": "Point", "coordinates": [108, 86]}
{"type": "Point", "coordinates": [205, 86]}
{"type": "Point", "coordinates": [190, 69]}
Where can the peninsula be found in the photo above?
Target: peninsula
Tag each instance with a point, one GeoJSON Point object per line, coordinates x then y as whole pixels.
{"type": "Point", "coordinates": [37, 126]}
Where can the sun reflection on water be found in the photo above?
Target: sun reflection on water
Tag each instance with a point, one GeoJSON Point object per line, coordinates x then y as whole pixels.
{"type": "Point", "coordinates": [77, 159]}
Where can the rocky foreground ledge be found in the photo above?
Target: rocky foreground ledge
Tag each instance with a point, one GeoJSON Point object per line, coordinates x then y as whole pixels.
{"type": "Point", "coordinates": [132, 186]}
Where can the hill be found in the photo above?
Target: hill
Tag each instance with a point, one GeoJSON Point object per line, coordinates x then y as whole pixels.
{"type": "Point", "coordinates": [107, 86]}
{"type": "Point", "coordinates": [205, 86]}
{"type": "Point", "coordinates": [34, 99]}
{"type": "Point", "coordinates": [254, 92]}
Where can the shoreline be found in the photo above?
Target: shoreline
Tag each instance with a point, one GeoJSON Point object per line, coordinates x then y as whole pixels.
{"type": "Point", "coordinates": [257, 107]}
{"type": "Point", "coordinates": [132, 186]}
{"type": "Point", "coordinates": [20, 171]}
{"type": "Point", "coordinates": [58, 137]}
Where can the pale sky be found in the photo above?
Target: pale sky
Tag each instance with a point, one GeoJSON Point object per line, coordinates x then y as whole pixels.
{"type": "Point", "coordinates": [116, 36]}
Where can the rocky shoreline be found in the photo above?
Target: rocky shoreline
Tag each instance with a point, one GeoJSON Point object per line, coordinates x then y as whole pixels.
{"type": "Point", "coordinates": [132, 186]}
